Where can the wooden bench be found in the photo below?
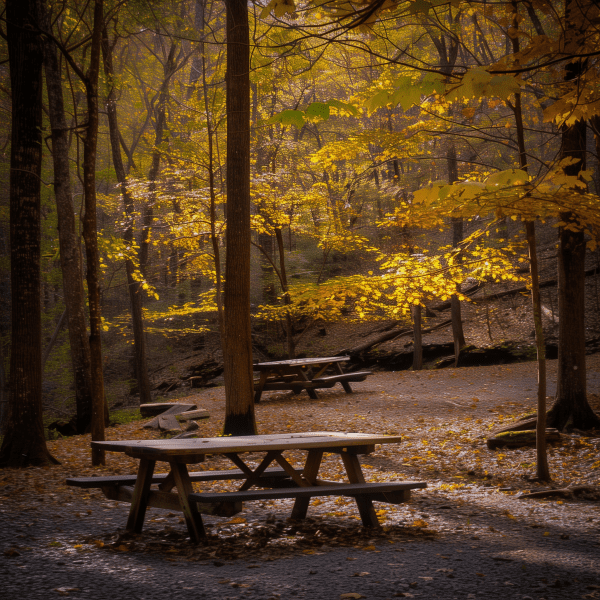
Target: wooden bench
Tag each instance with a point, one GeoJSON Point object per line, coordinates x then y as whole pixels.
{"type": "Point", "coordinates": [318, 383]}
{"type": "Point", "coordinates": [394, 492]}
{"type": "Point", "coordinates": [121, 488]}
{"type": "Point", "coordinates": [268, 477]}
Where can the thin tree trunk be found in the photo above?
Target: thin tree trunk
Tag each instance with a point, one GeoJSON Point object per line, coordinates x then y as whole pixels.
{"type": "Point", "coordinates": [237, 343]}
{"type": "Point", "coordinates": [542, 468]}
{"type": "Point", "coordinates": [134, 286]}
{"type": "Point", "coordinates": [24, 443]}
{"type": "Point", "coordinates": [90, 236]}
{"type": "Point", "coordinates": [68, 237]}
{"type": "Point", "coordinates": [458, 334]}
{"type": "Point", "coordinates": [211, 183]}
{"type": "Point", "coordinates": [159, 129]}
{"type": "Point", "coordinates": [289, 327]}
{"type": "Point", "coordinates": [416, 312]}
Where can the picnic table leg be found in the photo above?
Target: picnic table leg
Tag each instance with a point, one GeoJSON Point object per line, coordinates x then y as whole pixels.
{"type": "Point", "coordinates": [139, 500]}
{"type": "Point", "coordinates": [190, 510]}
{"type": "Point", "coordinates": [364, 503]}
{"type": "Point", "coordinates": [260, 386]}
{"type": "Point", "coordinates": [347, 387]}
{"type": "Point", "coordinates": [311, 392]}
{"type": "Point", "coordinates": [310, 471]}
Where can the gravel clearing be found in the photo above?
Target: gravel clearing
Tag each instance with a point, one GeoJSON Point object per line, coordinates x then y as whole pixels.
{"type": "Point", "coordinates": [469, 535]}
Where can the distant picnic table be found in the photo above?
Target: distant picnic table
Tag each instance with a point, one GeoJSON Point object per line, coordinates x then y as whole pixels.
{"type": "Point", "coordinates": [307, 374]}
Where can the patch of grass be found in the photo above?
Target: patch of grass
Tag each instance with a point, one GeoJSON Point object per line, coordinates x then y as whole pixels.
{"type": "Point", "coordinates": [124, 416]}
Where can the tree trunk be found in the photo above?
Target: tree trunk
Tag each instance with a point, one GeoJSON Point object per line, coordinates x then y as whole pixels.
{"type": "Point", "coordinates": [90, 236]}
{"type": "Point", "coordinates": [289, 327]}
{"type": "Point", "coordinates": [68, 237]}
{"type": "Point", "coordinates": [24, 443]}
{"type": "Point", "coordinates": [541, 443]}
{"type": "Point", "coordinates": [571, 408]}
{"type": "Point", "coordinates": [134, 286]}
{"type": "Point", "coordinates": [159, 129]}
{"type": "Point", "coordinates": [416, 312]}
{"type": "Point", "coordinates": [237, 343]}
{"type": "Point", "coordinates": [458, 334]}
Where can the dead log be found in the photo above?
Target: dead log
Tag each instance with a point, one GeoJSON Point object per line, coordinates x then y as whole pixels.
{"type": "Point", "coordinates": [518, 439]}
{"type": "Point", "coordinates": [389, 335]}
{"type": "Point", "coordinates": [587, 492]}
{"type": "Point", "coordinates": [166, 421]}
{"type": "Point", "coordinates": [522, 425]}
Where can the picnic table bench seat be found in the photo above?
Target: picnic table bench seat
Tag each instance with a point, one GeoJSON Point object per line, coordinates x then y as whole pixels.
{"type": "Point", "coordinates": [268, 477]}
{"type": "Point", "coordinates": [287, 382]}
{"type": "Point", "coordinates": [393, 492]}
{"type": "Point", "coordinates": [356, 376]}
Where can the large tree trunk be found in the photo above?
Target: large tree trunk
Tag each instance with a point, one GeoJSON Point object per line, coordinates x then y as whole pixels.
{"type": "Point", "coordinates": [237, 343]}
{"type": "Point", "coordinates": [24, 443]}
{"type": "Point", "coordinates": [571, 408]}
{"type": "Point", "coordinates": [134, 286]}
{"type": "Point", "coordinates": [90, 236]}
{"type": "Point", "coordinates": [68, 237]}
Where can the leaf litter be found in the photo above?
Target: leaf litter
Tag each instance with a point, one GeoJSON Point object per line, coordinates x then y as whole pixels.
{"type": "Point", "coordinates": [471, 490]}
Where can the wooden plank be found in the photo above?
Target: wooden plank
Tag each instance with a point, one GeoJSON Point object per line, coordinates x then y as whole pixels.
{"type": "Point", "coordinates": [298, 362]}
{"type": "Point", "coordinates": [199, 413]}
{"type": "Point", "coordinates": [356, 490]}
{"type": "Point", "coordinates": [364, 504]}
{"type": "Point", "coordinates": [171, 501]}
{"type": "Point", "coordinates": [329, 441]}
{"type": "Point", "coordinates": [117, 480]}
{"type": "Point", "coordinates": [310, 472]}
{"type": "Point", "coordinates": [254, 477]}
{"type": "Point", "coordinates": [139, 500]}
{"type": "Point", "coordinates": [190, 510]}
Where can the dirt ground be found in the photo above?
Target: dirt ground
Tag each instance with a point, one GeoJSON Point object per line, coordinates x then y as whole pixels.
{"type": "Point", "coordinates": [443, 416]}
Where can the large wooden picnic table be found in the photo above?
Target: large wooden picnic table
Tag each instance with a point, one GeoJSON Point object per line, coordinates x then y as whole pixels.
{"type": "Point", "coordinates": [175, 490]}
{"type": "Point", "coordinates": [307, 374]}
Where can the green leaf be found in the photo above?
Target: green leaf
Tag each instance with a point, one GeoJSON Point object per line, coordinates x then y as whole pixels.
{"type": "Point", "coordinates": [478, 83]}
{"type": "Point", "coordinates": [507, 178]}
{"type": "Point", "coordinates": [317, 110]}
{"type": "Point", "coordinates": [344, 107]}
{"type": "Point", "coordinates": [380, 100]}
{"type": "Point", "coordinates": [288, 117]}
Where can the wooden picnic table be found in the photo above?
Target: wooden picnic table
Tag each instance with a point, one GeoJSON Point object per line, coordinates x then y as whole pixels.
{"type": "Point", "coordinates": [304, 374]}
{"type": "Point", "coordinates": [175, 491]}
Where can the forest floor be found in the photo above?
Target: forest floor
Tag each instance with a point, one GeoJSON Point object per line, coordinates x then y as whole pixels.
{"type": "Point", "coordinates": [526, 548]}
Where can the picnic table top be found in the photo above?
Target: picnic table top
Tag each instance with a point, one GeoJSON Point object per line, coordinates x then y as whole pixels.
{"type": "Point", "coordinates": [254, 443]}
{"type": "Point", "coordinates": [299, 362]}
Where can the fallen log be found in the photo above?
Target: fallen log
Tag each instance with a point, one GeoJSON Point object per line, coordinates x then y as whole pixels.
{"type": "Point", "coordinates": [389, 335]}
{"type": "Point", "coordinates": [587, 492]}
{"type": "Point", "coordinates": [518, 439]}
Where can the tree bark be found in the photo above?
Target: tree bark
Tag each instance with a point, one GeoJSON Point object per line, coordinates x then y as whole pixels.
{"type": "Point", "coordinates": [68, 236]}
{"type": "Point", "coordinates": [571, 408]}
{"type": "Point", "coordinates": [237, 343]}
{"type": "Point", "coordinates": [541, 443]}
{"type": "Point", "coordinates": [24, 443]}
{"type": "Point", "coordinates": [134, 286]}
{"type": "Point", "coordinates": [90, 236]}
{"type": "Point", "coordinates": [416, 312]}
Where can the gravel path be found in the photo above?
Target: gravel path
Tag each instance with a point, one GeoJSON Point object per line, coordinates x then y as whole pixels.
{"type": "Point", "coordinates": [514, 562]}
{"type": "Point", "coordinates": [480, 541]}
